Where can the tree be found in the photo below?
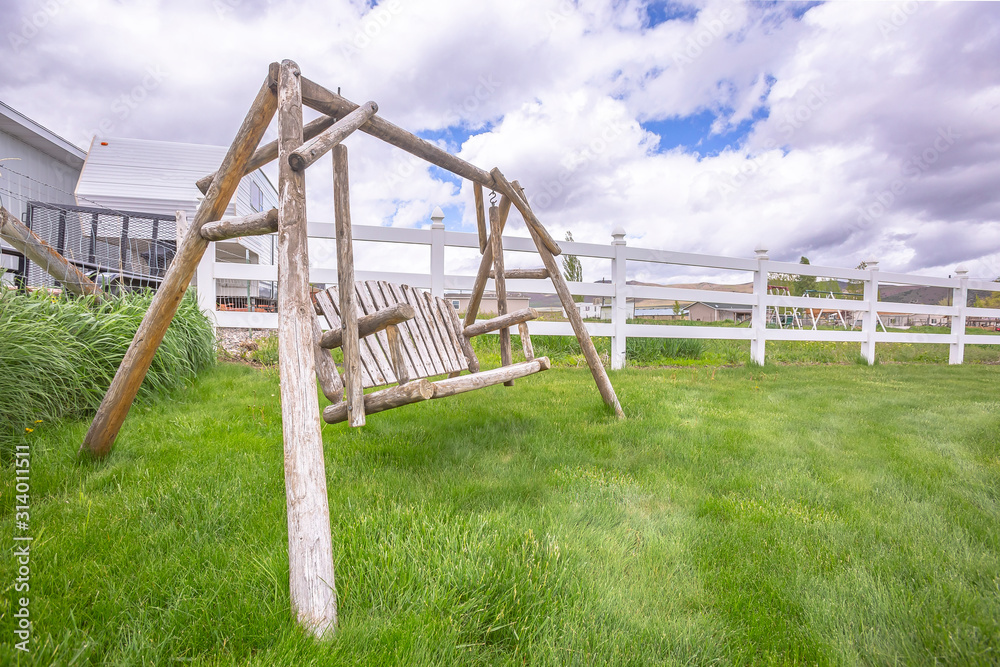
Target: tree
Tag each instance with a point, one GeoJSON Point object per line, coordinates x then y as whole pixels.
{"type": "Point", "coordinates": [857, 286]}
{"type": "Point", "coordinates": [803, 284]}
{"type": "Point", "coordinates": [677, 308]}
{"type": "Point", "coordinates": [572, 270]}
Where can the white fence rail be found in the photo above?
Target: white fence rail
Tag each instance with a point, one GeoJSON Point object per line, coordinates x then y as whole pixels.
{"type": "Point", "coordinates": [619, 329]}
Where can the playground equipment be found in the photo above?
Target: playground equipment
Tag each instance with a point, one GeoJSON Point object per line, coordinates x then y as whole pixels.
{"type": "Point", "coordinates": [302, 346]}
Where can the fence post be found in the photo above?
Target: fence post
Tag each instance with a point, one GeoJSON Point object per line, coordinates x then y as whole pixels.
{"type": "Point", "coordinates": [758, 316]}
{"type": "Point", "coordinates": [437, 252]}
{"type": "Point", "coordinates": [869, 323]}
{"type": "Point", "coordinates": [956, 354]}
{"type": "Point", "coordinates": [619, 301]}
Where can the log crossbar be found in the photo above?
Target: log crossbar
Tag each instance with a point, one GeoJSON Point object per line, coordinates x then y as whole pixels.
{"type": "Point", "coordinates": [502, 322]}
{"type": "Point", "coordinates": [254, 224]}
{"type": "Point", "coordinates": [369, 324]}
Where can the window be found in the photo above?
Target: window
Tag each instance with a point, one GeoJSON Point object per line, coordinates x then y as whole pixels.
{"type": "Point", "coordinates": [456, 303]}
{"type": "Point", "coordinates": [256, 197]}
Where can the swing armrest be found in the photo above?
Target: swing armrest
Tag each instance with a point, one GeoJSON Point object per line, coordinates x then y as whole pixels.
{"type": "Point", "coordinates": [502, 322]}
{"type": "Point", "coordinates": [370, 324]}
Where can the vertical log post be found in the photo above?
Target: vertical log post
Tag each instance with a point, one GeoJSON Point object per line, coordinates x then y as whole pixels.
{"type": "Point", "coordinates": [582, 335]}
{"type": "Point", "coordinates": [125, 385]}
{"type": "Point", "coordinates": [477, 190]}
{"type": "Point", "coordinates": [345, 283]}
{"type": "Point", "coordinates": [496, 242]}
{"type": "Point", "coordinates": [310, 549]}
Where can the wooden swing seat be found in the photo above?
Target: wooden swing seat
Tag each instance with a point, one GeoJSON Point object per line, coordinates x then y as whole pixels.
{"type": "Point", "coordinates": [408, 336]}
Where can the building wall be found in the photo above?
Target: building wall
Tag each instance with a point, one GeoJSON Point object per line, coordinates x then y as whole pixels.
{"type": "Point", "coordinates": [699, 312]}
{"type": "Point", "coordinates": [34, 175]}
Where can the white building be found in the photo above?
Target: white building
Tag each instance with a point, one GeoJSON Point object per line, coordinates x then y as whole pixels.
{"type": "Point", "coordinates": [35, 164]}
{"type": "Point", "coordinates": [158, 177]}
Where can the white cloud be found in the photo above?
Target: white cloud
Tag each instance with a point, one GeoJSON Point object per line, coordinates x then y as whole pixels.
{"type": "Point", "coordinates": [857, 96]}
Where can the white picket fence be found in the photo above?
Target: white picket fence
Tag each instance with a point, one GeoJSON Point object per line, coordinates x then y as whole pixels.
{"type": "Point", "coordinates": [619, 330]}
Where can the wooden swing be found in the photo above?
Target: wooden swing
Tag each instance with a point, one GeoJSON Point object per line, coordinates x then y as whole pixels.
{"type": "Point", "coordinates": [390, 334]}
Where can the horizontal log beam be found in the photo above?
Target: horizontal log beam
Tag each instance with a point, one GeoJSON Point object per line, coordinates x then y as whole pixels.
{"type": "Point", "coordinates": [530, 219]}
{"type": "Point", "coordinates": [255, 224]}
{"type": "Point", "coordinates": [269, 152]}
{"type": "Point", "coordinates": [464, 383]}
{"type": "Point", "coordinates": [41, 253]}
{"type": "Point", "coordinates": [503, 322]}
{"type": "Point", "coordinates": [523, 274]}
{"type": "Point", "coordinates": [384, 399]}
{"type": "Point", "coordinates": [319, 98]}
{"type": "Point", "coordinates": [308, 153]}
{"type": "Point", "coordinates": [370, 324]}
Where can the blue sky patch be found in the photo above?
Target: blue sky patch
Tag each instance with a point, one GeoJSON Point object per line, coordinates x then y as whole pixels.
{"type": "Point", "coordinates": [660, 12]}
{"type": "Point", "coordinates": [693, 133]}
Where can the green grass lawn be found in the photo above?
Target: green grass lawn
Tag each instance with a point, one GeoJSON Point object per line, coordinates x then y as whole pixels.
{"type": "Point", "coordinates": [812, 514]}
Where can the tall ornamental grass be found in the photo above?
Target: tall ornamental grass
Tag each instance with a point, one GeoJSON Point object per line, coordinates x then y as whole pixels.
{"type": "Point", "coordinates": [58, 354]}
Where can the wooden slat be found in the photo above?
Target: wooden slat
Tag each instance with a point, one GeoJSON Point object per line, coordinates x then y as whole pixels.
{"type": "Point", "coordinates": [423, 337]}
{"type": "Point", "coordinates": [384, 298]}
{"type": "Point", "coordinates": [436, 339]}
{"type": "Point", "coordinates": [421, 360]}
{"type": "Point", "coordinates": [451, 356]}
{"type": "Point", "coordinates": [454, 334]}
{"type": "Point", "coordinates": [378, 343]}
{"type": "Point", "coordinates": [332, 312]}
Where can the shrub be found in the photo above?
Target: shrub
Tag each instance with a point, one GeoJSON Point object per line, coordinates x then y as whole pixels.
{"type": "Point", "coordinates": [58, 354]}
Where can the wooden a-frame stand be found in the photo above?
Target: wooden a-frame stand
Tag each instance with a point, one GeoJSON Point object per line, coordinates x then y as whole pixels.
{"type": "Point", "coordinates": [284, 92]}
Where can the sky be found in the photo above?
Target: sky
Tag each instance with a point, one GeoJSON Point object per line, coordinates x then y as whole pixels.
{"type": "Point", "coordinates": [842, 131]}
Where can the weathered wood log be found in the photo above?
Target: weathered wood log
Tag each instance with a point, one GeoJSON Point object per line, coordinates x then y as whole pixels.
{"type": "Point", "coordinates": [345, 281]}
{"type": "Point", "coordinates": [485, 266]}
{"type": "Point", "coordinates": [521, 204]}
{"type": "Point", "coordinates": [384, 399]}
{"type": "Point", "coordinates": [523, 274]}
{"type": "Point", "coordinates": [481, 327]}
{"type": "Point", "coordinates": [398, 356]}
{"type": "Point", "coordinates": [477, 190]}
{"type": "Point", "coordinates": [326, 370]}
{"type": "Point", "coordinates": [41, 253]}
{"type": "Point", "coordinates": [369, 324]}
{"type": "Point", "coordinates": [310, 549]}
{"type": "Point", "coordinates": [269, 152]}
{"type": "Point", "coordinates": [526, 346]}
{"type": "Point", "coordinates": [582, 335]}
{"type": "Point", "coordinates": [332, 104]}
{"type": "Point", "coordinates": [301, 158]}
{"type": "Point", "coordinates": [254, 224]}
{"type": "Point", "coordinates": [496, 241]}
{"type": "Point", "coordinates": [472, 361]}
{"type": "Point", "coordinates": [464, 383]}
{"type": "Point", "coordinates": [115, 406]}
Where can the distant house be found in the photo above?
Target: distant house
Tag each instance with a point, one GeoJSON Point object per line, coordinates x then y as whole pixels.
{"type": "Point", "coordinates": [703, 311]}
{"type": "Point", "coordinates": [35, 164]}
{"type": "Point", "coordinates": [488, 305]}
